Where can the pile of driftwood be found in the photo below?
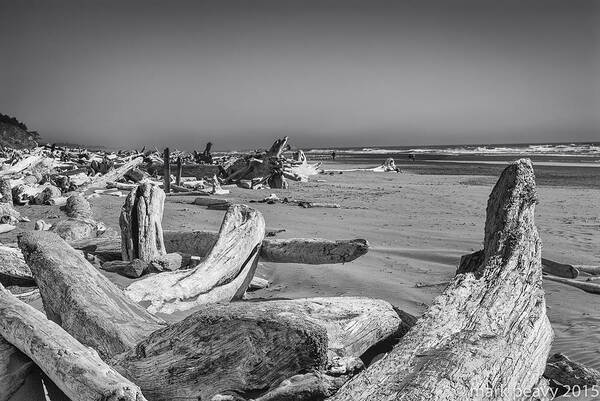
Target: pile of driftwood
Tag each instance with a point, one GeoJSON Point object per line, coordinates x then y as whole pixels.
{"type": "Point", "coordinates": [486, 337]}
{"type": "Point", "coordinates": [269, 169]}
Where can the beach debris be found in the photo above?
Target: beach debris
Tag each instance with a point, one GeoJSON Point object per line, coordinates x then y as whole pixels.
{"type": "Point", "coordinates": [388, 165]}
{"type": "Point", "coordinates": [258, 283]}
{"type": "Point", "coordinates": [141, 223]}
{"type": "Point", "coordinates": [142, 243]}
{"type": "Point", "coordinates": [586, 286]}
{"type": "Point", "coordinates": [559, 269]}
{"type": "Point", "coordinates": [565, 372]}
{"type": "Point", "coordinates": [490, 325]}
{"type": "Point", "coordinates": [13, 269]}
{"type": "Point", "coordinates": [4, 228]}
{"type": "Point", "coordinates": [312, 251]}
{"type": "Point", "coordinates": [205, 157]}
{"type": "Point", "coordinates": [589, 269]}
{"type": "Point", "coordinates": [199, 243]}
{"type": "Point", "coordinates": [216, 187]}
{"type": "Point", "coordinates": [41, 225]}
{"type": "Point", "coordinates": [224, 275]}
{"type": "Point", "coordinates": [91, 302]}
{"type": "Point", "coordinates": [297, 335]}
{"type": "Point", "coordinates": [79, 224]}
{"type": "Point", "coordinates": [77, 370]}
{"type": "Point", "coordinates": [44, 197]}
{"type": "Point", "coordinates": [268, 169]}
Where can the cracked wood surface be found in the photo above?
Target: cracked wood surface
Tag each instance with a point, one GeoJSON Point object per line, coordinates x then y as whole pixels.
{"type": "Point", "coordinates": [141, 223]}
{"type": "Point", "coordinates": [77, 370]}
{"type": "Point", "coordinates": [223, 275]}
{"type": "Point", "coordinates": [487, 336]}
{"type": "Point", "coordinates": [81, 299]}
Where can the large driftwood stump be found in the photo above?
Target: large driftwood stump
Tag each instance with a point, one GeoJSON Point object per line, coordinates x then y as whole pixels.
{"type": "Point", "coordinates": [487, 336]}
{"type": "Point", "coordinates": [77, 370]}
{"type": "Point", "coordinates": [141, 223]}
{"type": "Point", "coordinates": [224, 275]}
{"type": "Point", "coordinates": [82, 300]}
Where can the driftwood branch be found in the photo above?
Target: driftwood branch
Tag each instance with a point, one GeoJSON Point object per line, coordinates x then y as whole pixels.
{"type": "Point", "coordinates": [224, 275]}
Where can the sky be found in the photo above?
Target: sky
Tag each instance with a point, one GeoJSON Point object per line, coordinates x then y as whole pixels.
{"type": "Point", "coordinates": [327, 73]}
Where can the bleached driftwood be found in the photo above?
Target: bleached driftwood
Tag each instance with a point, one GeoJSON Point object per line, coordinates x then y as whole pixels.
{"type": "Point", "coordinates": [223, 276]}
{"type": "Point", "coordinates": [22, 165]}
{"type": "Point", "coordinates": [13, 269]}
{"type": "Point", "coordinates": [312, 251]}
{"type": "Point", "coordinates": [77, 370]}
{"type": "Point", "coordinates": [593, 270]}
{"type": "Point", "coordinates": [292, 250]}
{"type": "Point", "coordinates": [237, 348]}
{"type": "Point", "coordinates": [100, 181]}
{"type": "Point", "coordinates": [199, 243]}
{"type": "Point", "coordinates": [312, 332]}
{"type": "Point", "coordinates": [83, 301]}
{"type": "Point", "coordinates": [487, 336]}
{"type": "Point", "coordinates": [586, 286]}
{"type": "Point", "coordinates": [141, 223]}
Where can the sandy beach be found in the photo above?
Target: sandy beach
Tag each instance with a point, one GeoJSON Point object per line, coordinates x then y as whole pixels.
{"type": "Point", "coordinates": [418, 226]}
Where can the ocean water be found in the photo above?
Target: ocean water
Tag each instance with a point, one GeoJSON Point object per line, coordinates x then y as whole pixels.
{"type": "Point", "coordinates": [557, 164]}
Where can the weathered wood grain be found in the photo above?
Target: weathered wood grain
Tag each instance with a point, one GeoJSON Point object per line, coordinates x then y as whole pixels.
{"type": "Point", "coordinates": [82, 300]}
{"type": "Point", "coordinates": [141, 223]}
{"type": "Point", "coordinates": [487, 336]}
{"type": "Point", "coordinates": [224, 275]}
{"type": "Point", "coordinates": [77, 370]}
{"type": "Point", "coordinates": [239, 348]}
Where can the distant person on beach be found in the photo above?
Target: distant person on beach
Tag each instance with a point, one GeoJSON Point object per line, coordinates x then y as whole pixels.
{"type": "Point", "coordinates": [333, 155]}
{"type": "Point", "coordinates": [411, 157]}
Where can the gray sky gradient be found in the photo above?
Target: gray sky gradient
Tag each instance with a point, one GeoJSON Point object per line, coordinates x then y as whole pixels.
{"type": "Point", "coordinates": [327, 73]}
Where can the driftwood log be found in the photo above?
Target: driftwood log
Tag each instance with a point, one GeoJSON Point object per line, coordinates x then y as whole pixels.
{"type": "Point", "coordinates": [242, 349]}
{"type": "Point", "coordinates": [113, 175]}
{"type": "Point", "coordinates": [77, 370]}
{"type": "Point", "coordinates": [487, 336]}
{"type": "Point", "coordinates": [199, 243]}
{"type": "Point", "coordinates": [82, 300]}
{"type": "Point", "coordinates": [559, 269]}
{"type": "Point", "coordinates": [141, 223]}
{"type": "Point", "coordinates": [586, 286]}
{"type": "Point", "coordinates": [293, 250]}
{"type": "Point", "coordinates": [224, 275]}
